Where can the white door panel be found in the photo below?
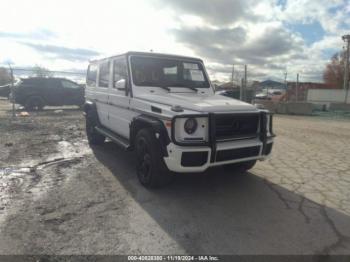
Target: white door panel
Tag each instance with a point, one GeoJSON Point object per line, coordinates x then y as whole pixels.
{"type": "Point", "coordinates": [101, 100]}
{"type": "Point", "coordinates": [119, 118]}
{"type": "Point", "coordinates": [118, 102]}
{"type": "Point", "coordinates": [102, 111]}
{"type": "Point", "coordinates": [97, 89]}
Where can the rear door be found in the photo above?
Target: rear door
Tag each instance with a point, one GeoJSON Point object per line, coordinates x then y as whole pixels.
{"type": "Point", "coordinates": [73, 94]}
{"type": "Point", "coordinates": [51, 90]}
{"type": "Point", "coordinates": [101, 91]}
{"type": "Point", "coordinates": [119, 114]}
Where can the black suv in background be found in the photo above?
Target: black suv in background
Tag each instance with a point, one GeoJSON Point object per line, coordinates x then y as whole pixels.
{"type": "Point", "coordinates": [35, 93]}
{"type": "Point", "coordinates": [5, 91]}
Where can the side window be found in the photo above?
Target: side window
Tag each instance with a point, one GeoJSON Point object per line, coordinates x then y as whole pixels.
{"type": "Point", "coordinates": [52, 83]}
{"type": "Point", "coordinates": [33, 82]}
{"type": "Point", "coordinates": [104, 75]}
{"type": "Point", "coordinates": [68, 84]}
{"type": "Point", "coordinates": [91, 75]}
{"type": "Point", "coordinates": [119, 70]}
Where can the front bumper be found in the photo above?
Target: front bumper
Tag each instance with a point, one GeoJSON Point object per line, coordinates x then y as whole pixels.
{"type": "Point", "coordinates": [225, 153]}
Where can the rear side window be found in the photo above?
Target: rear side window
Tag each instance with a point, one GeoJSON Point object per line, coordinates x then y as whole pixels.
{"type": "Point", "coordinates": [91, 75]}
{"type": "Point", "coordinates": [34, 82]}
{"type": "Point", "coordinates": [119, 70]}
{"type": "Point", "coordinates": [30, 81]}
{"type": "Point", "coordinates": [104, 74]}
{"type": "Point", "coordinates": [68, 84]}
{"type": "Point", "coordinates": [27, 81]}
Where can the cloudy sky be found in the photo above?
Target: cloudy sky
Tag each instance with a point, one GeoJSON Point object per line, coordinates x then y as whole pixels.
{"type": "Point", "coordinates": [271, 36]}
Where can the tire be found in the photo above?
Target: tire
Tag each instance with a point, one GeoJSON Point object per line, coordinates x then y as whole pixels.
{"type": "Point", "coordinates": [93, 136]}
{"type": "Point", "coordinates": [34, 103]}
{"type": "Point", "coordinates": [241, 167]}
{"type": "Point", "coordinates": [151, 169]}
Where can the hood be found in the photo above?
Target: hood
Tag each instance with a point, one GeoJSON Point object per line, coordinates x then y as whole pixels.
{"type": "Point", "coordinates": [200, 103]}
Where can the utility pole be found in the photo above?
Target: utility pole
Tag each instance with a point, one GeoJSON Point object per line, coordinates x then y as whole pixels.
{"type": "Point", "coordinates": [233, 77]}
{"type": "Point", "coordinates": [233, 73]}
{"type": "Point", "coordinates": [245, 83]}
{"type": "Point", "coordinates": [285, 83]}
{"type": "Point", "coordinates": [346, 39]}
{"type": "Point", "coordinates": [297, 88]}
{"type": "Point", "coordinates": [241, 89]}
{"type": "Point", "coordinates": [12, 92]}
{"type": "Point", "coordinates": [285, 79]}
{"type": "Point", "coordinates": [243, 80]}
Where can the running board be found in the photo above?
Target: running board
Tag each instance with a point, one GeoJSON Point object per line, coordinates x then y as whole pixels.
{"type": "Point", "coordinates": [124, 143]}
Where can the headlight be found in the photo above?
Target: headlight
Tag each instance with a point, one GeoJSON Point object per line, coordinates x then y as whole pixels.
{"type": "Point", "coordinates": [190, 129]}
{"type": "Point", "coordinates": [190, 126]}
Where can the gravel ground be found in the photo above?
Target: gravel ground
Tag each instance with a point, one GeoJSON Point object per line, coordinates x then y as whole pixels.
{"type": "Point", "coordinates": [59, 196]}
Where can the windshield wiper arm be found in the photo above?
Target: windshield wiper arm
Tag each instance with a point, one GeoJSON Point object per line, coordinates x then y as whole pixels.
{"type": "Point", "coordinates": [192, 88]}
{"type": "Point", "coordinates": [148, 83]}
{"type": "Point", "coordinates": [165, 88]}
{"type": "Point", "coordinates": [183, 85]}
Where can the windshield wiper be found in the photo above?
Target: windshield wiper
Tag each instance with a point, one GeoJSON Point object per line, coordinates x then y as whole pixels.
{"type": "Point", "coordinates": [161, 86]}
{"type": "Point", "coordinates": [183, 85]}
{"type": "Point", "coordinates": [192, 88]}
{"type": "Point", "coordinates": [165, 88]}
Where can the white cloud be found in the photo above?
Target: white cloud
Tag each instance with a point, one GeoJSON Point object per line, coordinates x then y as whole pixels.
{"type": "Point", "coordinates": [329, 13]}
{"type": "Point", "coordinates": [222, 32]}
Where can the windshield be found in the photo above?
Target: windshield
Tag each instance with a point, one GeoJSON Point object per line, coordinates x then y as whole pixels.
{"type": "Point", "coordinates": [165, 72]}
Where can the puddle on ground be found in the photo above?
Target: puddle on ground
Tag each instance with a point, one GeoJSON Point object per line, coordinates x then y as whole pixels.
{"type": "Point", "coordinates": [32, 179]}
{"type": "Point", "coordinates": [64, 150]}
{"type": "Point", "coordinates": [75, 149]}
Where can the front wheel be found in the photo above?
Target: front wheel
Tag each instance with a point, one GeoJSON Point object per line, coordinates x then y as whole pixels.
{"type": "Point", "coordinates": [241, 167]}
{"type": "Point", "coordinates": [151, 169]}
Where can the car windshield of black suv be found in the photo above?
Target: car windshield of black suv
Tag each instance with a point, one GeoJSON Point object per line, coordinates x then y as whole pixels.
{"type": "Point", "coordinates": [165, 72]}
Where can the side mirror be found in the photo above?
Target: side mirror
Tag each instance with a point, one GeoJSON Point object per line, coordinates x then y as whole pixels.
{"type": "Point", "coordinates": [120, 85]}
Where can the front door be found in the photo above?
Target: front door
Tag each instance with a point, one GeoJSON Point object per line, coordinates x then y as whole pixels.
{"type": "Point", "coordinates": [73, 94]}
{"type": "Point", "coordinates": [52, 92]}
{"type": "Point", "coordinates": [119, 114]}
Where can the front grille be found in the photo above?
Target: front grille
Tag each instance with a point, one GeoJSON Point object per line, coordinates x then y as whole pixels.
{"type": "Point", "coordinates": [232, 154]}
{"type": "Point", "coordinates": [236, 126]}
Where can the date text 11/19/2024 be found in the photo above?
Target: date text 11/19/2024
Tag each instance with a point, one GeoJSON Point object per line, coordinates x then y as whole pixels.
{"type": "Point", "coordinates": [173, 258]}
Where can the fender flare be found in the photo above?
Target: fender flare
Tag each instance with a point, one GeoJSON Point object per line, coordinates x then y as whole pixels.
{"type": "Point", "coordinates": [91, 109]}
{"type": "Point", "coordinates": [144, 121]}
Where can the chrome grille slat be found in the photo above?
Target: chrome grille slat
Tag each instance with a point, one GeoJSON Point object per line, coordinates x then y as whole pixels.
{"type": "Point", "coordinates": [236, 126]}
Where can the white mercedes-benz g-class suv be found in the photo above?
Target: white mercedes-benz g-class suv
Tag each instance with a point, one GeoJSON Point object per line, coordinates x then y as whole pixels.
{"type": "Point", "coordinates": [165, 108]}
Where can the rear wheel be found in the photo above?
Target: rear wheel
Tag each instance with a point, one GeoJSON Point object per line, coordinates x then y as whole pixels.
{"type": "Point", "coordinates": [34, 103]}
{"type": "Point", "coordinates": [241, 167]}
{"type": "Point", "coordinates": [151, 169]}
{"type": "Point", "coordinates": [93, 136]}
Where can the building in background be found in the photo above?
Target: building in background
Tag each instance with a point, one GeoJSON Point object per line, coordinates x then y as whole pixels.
{"type": "Point", "coordinates": [299, 92]}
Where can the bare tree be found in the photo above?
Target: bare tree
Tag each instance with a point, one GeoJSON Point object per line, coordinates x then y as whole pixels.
{"type": "Point", "coordinates": [5, 77]}
{"type": "Point", "coordinates": [40, 71]}
{"type": "Point", "coordinates": [334, 72]}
